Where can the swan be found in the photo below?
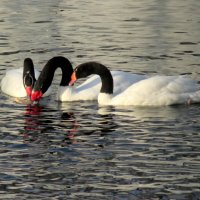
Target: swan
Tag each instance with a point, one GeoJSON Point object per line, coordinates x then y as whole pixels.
{"type": "Point", "coordinates": [149, 91]}
{"type": "Point", "coordinates": [19, 82]}
{"type": "Point", "coordinates": [88, 90]}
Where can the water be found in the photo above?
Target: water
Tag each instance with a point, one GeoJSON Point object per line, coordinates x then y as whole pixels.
{"type": "Point", "coordinates": [81, 150]}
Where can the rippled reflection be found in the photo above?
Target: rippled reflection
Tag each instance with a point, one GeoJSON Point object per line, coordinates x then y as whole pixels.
{"type": "Point", "coordinates": [40, 125]}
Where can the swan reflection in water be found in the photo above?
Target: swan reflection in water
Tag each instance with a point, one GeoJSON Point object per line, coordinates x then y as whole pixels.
{"type": "Point", "coordinates": [42, 127]}
{"type": "Point", "coordinates": [66, 125]}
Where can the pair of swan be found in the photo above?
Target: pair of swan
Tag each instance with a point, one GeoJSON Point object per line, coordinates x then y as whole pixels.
{"type": "Point", "coordinates": [116, 87]}
{"type": "Point", "coordinates": [14, 85]}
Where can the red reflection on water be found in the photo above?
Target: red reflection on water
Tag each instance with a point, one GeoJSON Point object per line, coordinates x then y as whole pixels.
{"type": "Point", "coordinates": [38, 126]}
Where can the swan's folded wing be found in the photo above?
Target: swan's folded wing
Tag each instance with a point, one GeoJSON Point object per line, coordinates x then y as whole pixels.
{"type": "Point", "coordinates": [159, 90]}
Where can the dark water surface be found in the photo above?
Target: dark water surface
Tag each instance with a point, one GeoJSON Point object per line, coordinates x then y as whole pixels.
{"type": "Point", "coordinates": [80, 150]}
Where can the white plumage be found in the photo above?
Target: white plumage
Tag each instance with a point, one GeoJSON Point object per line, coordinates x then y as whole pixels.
{"type": "Point", "coordinates": [156, 91]}
{"type": "Point", "coordinates": [89, 90]}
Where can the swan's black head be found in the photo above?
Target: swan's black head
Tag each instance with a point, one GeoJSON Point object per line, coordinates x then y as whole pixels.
{"type": "Point", "coordinates": [83, 70]}
{"type": "Point", "coordinates": [28, 76]}
{"type": "Point", "coordinates": [88, 68]}
{"type": "Point", "coordinates": [46, 76]}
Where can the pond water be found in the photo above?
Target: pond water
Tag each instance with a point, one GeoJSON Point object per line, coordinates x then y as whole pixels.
{"type": "Point", "coordinates": [80, 150]}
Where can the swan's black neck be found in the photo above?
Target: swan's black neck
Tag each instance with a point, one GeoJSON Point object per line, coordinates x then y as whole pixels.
{"type": "Point", "coordinates": [89, 68]}
{"type": "Point", "coordinates": [46, 76]}
{"type": "Point", "coordinates": [28, 73]}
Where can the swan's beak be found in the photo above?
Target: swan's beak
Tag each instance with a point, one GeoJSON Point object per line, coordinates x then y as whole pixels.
{"type": "Point", "coordinates": [36, 96]}
{"type": "Point", "coordinates": [73, 79]}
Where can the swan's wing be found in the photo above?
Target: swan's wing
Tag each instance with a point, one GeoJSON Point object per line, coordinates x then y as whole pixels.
{"type": "Point", "coordinates": [158, 90]}
{"type": "Point", "coordinates": [123, 80]}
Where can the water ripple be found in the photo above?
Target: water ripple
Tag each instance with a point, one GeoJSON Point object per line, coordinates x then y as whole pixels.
{"type": "Point", "coordinates": [81, 150]}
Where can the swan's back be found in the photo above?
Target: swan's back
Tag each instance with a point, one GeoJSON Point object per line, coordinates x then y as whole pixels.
{"type": "Point", "coordinates": [159, 90]}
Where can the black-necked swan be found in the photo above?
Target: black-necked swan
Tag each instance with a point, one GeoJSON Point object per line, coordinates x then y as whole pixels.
{"type": "Point", "coordinates": [20, 82]}
{"type": "Point", "coordinates": [150, 91]}
{"type": "Point", "coordinates": [88, 90]}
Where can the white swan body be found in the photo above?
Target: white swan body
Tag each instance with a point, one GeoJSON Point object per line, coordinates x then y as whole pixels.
{"type": "Point", "coordinates": [156, 91]}
{"type": "Point", "coordinates": [89, 90]}
{"type": "Point", "coordinates": [12, 83]}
